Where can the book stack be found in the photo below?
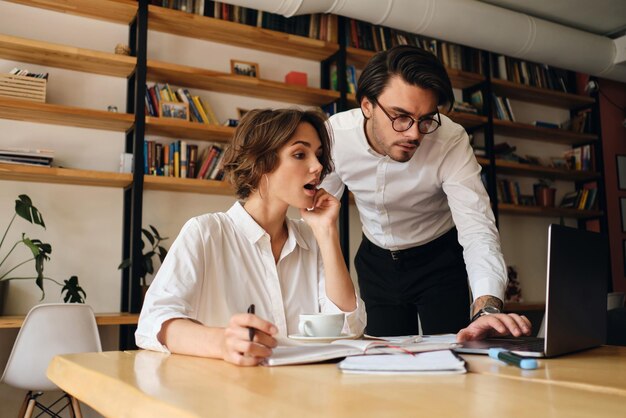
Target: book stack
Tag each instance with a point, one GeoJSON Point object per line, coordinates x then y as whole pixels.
{"type": "Point", "coordinates": [199, 109]}
{"type": "Point", "coordinates": [503, 108]}
{"type": "Point", "coordinates": [37, 157]}
{"type": "Point", "coordinates": [530, 74]}
{"type": "Point", "coordinates": [180, 159]}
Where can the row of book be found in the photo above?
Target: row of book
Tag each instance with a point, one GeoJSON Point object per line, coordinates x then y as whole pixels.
{"type": "Point", "coordinates": [351, 78]}
{"type": "Point", "coordinates": [579, 158]}
{"type": "Point", "coordinates": [316, 26]}
{"type": "Point", "coordinates": [199, 109]}
{"type": "Point", "coordinates": [182, 160]}
{"type": "Point", "coordinates": [508, 191]}
{"type": "Point", "coordinates": [531, 74]}
{"type": "Point", "coordinates": [364, 35]}
{"type": "Point", "coordinates": [502, 108]}
{"type": "Point", "coordinates": [26, 73]}
{"type": "Point", "coordinates": [36, 157]}
{"type": "Point", "coordinates": [583, 199]}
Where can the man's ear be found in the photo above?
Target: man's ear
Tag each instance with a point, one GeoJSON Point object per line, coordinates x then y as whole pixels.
{"type": "Point", "coordinates": [367, 108]}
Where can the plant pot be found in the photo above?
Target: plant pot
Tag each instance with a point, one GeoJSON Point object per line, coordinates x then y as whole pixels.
{"type": "Point", "coordinates": [545, 196]}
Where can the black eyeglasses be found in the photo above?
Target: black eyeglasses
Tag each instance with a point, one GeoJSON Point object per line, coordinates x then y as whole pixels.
{"type": "Point", "coordinates": [402, 123]}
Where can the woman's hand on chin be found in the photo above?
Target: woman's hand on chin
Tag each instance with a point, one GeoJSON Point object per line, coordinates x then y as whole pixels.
{"type": "Point", "coordinates": [324, 212]}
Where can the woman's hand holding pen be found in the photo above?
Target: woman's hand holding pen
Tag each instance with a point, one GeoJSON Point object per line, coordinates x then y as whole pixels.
{"type": "Point", "coordinates": [237, 347]}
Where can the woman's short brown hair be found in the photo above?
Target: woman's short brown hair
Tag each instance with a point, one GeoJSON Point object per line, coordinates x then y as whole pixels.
{"type": "Point", "coordinates": [261, 133]}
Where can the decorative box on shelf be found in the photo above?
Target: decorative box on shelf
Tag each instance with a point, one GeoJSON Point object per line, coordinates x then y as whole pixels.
{"type": "Point", "coordinates": [22, 87]}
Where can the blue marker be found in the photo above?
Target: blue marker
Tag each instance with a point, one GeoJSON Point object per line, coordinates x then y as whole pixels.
{"type": "Point", "coordinates": [513, 359]}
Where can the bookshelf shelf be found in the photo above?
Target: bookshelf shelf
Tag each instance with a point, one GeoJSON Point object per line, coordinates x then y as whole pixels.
{"type": "Point", "coordinates": [538, 95]}
{"type": "Point", "coordinates": [117, 11]}
{"type": "Point", "coordinates": [78, 59]}
{"type": "Point", "coordinates": [526, 131]}
{"type": "Point", "coordinates": [194, 26]}
{"type": "Point", "coordinates": [118, 318]}
{"type": "Point", "coordinates": [181, 75]}
{"type": "Point", "coordinates": [468, 120]}
{"type": "Point", "coordinates": [524, 306]}
{"type": "Point", "coordinates": [509, 209]}
{"type": "Point", "coordinates": [527, 170]}
{"type": "Point", "coordinates": [460, 79]}
{"type": "Point", "coordinates": [17, 172]}
{"type": "Point", "coordinates": [28, 111]}
{"type": "Point", "coordinates": [191, 130]}
{"type": "Point", "coordinates": [174, 184]}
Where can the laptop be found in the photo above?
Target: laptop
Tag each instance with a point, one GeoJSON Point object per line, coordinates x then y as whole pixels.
{"type": "Point", "coordinates": [576, 289]}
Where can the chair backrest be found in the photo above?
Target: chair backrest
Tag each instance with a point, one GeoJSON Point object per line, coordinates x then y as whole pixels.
{"type": "Point", "coordinates": [49, 330]}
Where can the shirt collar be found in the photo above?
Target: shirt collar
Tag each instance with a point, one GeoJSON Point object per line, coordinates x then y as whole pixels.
{"type": "Point", "coordinates": [253, 231]}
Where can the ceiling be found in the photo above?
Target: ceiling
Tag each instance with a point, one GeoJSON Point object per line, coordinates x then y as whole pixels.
{"type": "Point", "coordinates": [602, 17]}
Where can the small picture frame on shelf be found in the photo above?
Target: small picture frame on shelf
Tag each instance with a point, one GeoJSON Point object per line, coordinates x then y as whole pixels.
{"type": "Point", "coordinates": [244, 68]}
{"type": "Point", "coordinates": [621, 172]}
{"type": "Point", "coordinates": [175, 110]}
{"type": "Point", "coordinates": [622, 210]}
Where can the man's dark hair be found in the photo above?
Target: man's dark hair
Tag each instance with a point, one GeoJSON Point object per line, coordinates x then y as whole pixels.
{"type": "Point", "coordinates": [416, 66]}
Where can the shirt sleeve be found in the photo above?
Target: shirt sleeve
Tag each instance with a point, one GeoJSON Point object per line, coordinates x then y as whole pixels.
{"type": "Point", "coordinates": [355, 320]}
{"type": "Point", "coordinates": [332, 184]}
{"type": "Point", "coordinates": [175, 289]}
{"type": "Point", "coordinates": [471, 211]}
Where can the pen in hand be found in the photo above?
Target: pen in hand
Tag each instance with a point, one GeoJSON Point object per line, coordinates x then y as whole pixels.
{"type": "Point", "coordinates": [513, 359]}
{"type": "Point", "coordinates": [250, 329]}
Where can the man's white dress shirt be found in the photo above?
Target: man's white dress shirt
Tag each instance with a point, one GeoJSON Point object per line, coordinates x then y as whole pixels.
{"type": "Point", "coordinates": [220, 263]}
{"type": "Point", "coordinates": [403, 205]}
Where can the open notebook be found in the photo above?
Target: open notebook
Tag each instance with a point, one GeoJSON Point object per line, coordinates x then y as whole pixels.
{"type": "Point", "coordinates": [313, 353]}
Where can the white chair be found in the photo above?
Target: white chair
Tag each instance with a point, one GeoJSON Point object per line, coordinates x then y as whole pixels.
{"type": "Point", "coordinates": [49, 330]}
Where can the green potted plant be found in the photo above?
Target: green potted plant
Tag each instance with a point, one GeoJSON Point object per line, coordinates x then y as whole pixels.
{"type": "Point", "coordinates": [40, 251]}
{"type": "Point", "coordinates": [147, 264]}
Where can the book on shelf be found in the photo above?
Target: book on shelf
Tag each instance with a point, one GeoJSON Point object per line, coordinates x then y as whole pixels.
{"type": "Point", "coordinates": [544, 124]}
{"type": "Point", "coordinates": [24, 156]}
{"type": "Point", "coordinates": [314, 353]}
{"type": "Point", "coordinates": [432, 362]}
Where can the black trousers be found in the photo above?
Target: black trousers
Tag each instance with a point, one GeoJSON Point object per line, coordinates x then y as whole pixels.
{"type": "Point", "coordinates": [430, 279]}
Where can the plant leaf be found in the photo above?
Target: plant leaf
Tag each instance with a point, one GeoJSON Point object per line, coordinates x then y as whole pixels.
{"type": "Point", "coordinates": [155, 232]}
{"type": "Point", "coordinates": [25, 209]}
{"type": "Point", "coordinates": [125, 264]}
{"type": "Point", "coordinates": [148, 235]}
{"type": "Point", "coordinates": [162, 253]}
{"type": "Point", "coordinates": [149, 267]}
{"type": "Point", "coordinates": [73, 291]}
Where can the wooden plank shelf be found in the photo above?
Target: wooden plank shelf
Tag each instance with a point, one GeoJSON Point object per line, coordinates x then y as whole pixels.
{"type": "Point", "coordinates": [27, 111]}
{"type": "Point", "coordinates": [510, 209]}
{"type": "Point", "coordinates": [181, 75]}
{"type": "Point", "coordinates": [460, 79]}
{"type": "Point", "coordinates": [539, 95]}
{"type": "Point", "coordinates": [173, 184]}
{"type": "Point", "coordinates": [117, 11]}
{"type": "Point", "coordinates": [524, 306]}
{"type": "Point", "coordinates": [18, 172]}
{"type": "Point", "coordinates": [117, 318]}
{"type": "Point", "coordinates": [527, 170]}
{"type": "Point", "coordinates": [61, 56]}
{"type": "Point", "coordinates": [174, 128]}
{"type": "Point", "coordinates": [237, 34]}
{"type": "Point", "coordinates": [468, 120]}
{"type": "Point", "coordinates": [526, 131]}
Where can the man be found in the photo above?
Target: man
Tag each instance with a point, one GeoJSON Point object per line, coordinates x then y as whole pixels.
{"type": "Point", "coordinates": [427, 222]}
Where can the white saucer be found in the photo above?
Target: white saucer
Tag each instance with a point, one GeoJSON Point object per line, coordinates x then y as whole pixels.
{"type": "Point", "coordinates": [305, 338]}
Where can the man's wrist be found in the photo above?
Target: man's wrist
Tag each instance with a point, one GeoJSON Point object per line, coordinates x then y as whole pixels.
{"type": "Point", "coordinates": [486, 305]}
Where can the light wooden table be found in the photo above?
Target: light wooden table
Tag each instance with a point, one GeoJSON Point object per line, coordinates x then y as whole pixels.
{"type": "Point", "coordinates": [149, 384]}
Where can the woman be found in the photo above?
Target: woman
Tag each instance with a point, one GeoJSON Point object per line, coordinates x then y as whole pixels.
{"type": "Point", "coordinates": [253, 254]}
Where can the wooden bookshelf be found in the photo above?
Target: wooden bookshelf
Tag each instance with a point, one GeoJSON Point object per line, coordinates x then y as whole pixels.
{"type": "Point", "coordinates": [237, 34]}
{"type": "Point", "coordinates": [60, 56]}
{"type": "Point", "coordinates": [28, 111]}
{"type": "Point", "coordinates": [173, 184]}
{"type": "Point", "coordinates": [510, 209]}
{"type": "Point", "coordinates": [117, 11]}
{"type": "Point", "coordinates": [185, 76]}
{"type": "Point", "coordinates": [526, 131]}
{"type": "Point", "coordinates": [468, 120]}
{"type": "Point", "coordinates": [539, 95]}
{"type": "Point", "coordinates": [18, 172]}
{"type": "Point", "coordinates": [527, 170]}
{"type": "Point", "coordinates": [174, 128]}
{"type": "Point", "coordinates": [118, 318]}
{"type": "Point", "coordinates": [460, 79]}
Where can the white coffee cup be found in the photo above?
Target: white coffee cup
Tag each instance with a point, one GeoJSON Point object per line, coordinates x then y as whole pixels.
{"type": "Point", "coordinates": [321, 324]}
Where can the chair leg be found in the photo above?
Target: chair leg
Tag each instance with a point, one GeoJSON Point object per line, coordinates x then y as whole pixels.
{"type": "Point", "coordinates": [75, 411]}
{"type": "Point", "coordinates": [30, 408]}
{"type": "Point", "coordinates": [24, 405]}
